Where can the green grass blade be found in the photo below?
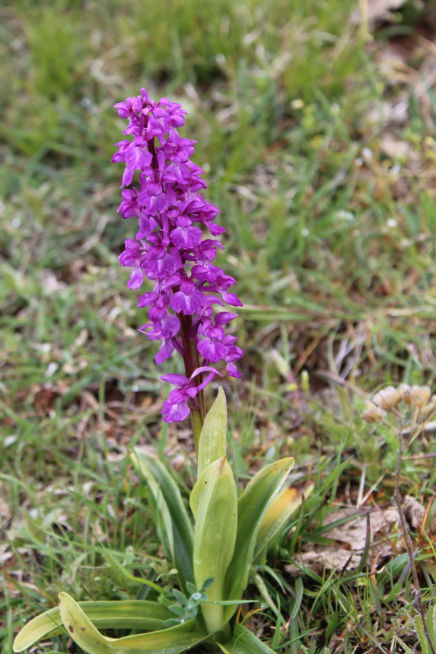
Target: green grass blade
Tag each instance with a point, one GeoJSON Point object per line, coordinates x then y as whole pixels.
{"type": "Point", "coordinates": [213, 437]}
{"type": "Point", "coordinates": [123, 571]}
{"type": "Point", "coordinates": [252, 507]}
{"type": "Point", "coordinates": [244, 642]}
{"type": "Point", "coordinates": [177, 522]}
{"type": "Point", "coordinates": [88, 637]}
{"type": "Point", "coordinates": [124, 614]}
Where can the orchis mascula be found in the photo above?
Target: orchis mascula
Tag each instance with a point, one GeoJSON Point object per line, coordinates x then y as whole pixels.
{"type": "Point", "coordinates": [171, 251]}
{"type": "Point", "coordinates": [214, 548]}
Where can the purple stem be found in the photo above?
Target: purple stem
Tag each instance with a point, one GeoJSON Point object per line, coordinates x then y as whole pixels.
{"type": "Point", "coordinates": [191, 360]}
{"type": "Point", "coordinates": [191, 357]}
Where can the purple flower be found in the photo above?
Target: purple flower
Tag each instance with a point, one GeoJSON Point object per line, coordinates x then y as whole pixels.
{"type": "Point", "coordinates": [176, 407]}
{"type": "Point", "coordinates": [173, 250]}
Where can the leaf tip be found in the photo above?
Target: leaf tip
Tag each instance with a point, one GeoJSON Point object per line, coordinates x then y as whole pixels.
{"type": "Point", "coordinates": [221, 395]}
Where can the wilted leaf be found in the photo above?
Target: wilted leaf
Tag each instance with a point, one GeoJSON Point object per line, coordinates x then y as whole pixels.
{"type": "Point", "coordinates": [279, 512]}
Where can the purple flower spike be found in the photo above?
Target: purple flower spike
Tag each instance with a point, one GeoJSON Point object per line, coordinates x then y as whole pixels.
{"type": "Point", "coordinates": [173, 251]}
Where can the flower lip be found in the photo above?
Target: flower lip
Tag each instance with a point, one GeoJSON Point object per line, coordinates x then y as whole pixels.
{"type": "Point", "coordinates": [181, 380]}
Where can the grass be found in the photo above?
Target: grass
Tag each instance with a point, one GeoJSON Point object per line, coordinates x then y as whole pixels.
{"type": "Point", "coordinates": [328, 199]}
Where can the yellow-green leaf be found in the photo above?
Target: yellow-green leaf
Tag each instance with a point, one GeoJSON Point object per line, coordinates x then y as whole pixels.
{"type": "Point", "coordinates": [278, 513]}
{"type": "Point", "coordinates": [214, 505]}
{"type": "Point", "coordinates": [123, 614]}
{"type": "Point", "coordinates": [88, 637]}
{"type": "Point", "coordinates": [213, 437]}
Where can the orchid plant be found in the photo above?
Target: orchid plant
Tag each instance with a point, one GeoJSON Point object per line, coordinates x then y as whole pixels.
{"type": "Point", "coordinates": [214, 549]}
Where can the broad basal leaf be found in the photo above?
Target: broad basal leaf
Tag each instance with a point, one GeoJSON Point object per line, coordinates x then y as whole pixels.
{"type": "Point", "coordinates": [125, 614]}
{"type": "Point", "coordinates": [88, 637]}
{"type": "Point", "coordinates": [252, 507]}
{"type": "Point", "coordinates": [214, 505]}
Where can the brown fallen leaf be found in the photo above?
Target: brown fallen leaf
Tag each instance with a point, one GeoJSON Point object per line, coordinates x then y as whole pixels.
{"type": "Point", "coordinates": [349, 541]}
{"type": "Point", "coordinates": [43, 399]}
{"type": "Point", "coordinates": [413, 510]}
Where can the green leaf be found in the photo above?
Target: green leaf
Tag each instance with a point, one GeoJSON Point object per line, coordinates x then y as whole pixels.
{"type": "Point", "coordinates": [213, 437]}
{"type": "Point", "coordinates": [252, 507]}
{"type": "Point", "coordinates": [162, 515]}
{"type": "Point", "coordinates": [244, 642]}
{"type": "Point", "coordinates": [277, 515]}
{"type": "Point", "coordinates": [214, 505]}
{"type": "Point", "coordinates": [176, 527]}
{"type": "Point", "coordinates": [177, 610]}
{"type": "Point", "coordinates": [125, 614]}
{"type": "Point", "coordinates": [88, 637]}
